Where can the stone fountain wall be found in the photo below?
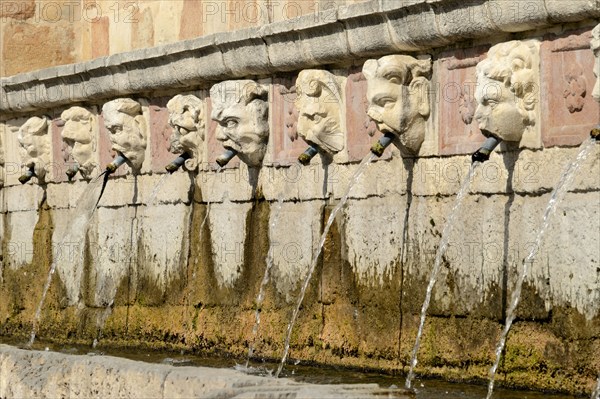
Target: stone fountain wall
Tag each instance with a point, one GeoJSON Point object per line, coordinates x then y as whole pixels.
{"type": "Point", "coordinates": [182, 269]}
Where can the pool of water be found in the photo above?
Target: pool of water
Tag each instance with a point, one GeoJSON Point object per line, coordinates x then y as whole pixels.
{"type": "Point", "coordinates": [425, 388]}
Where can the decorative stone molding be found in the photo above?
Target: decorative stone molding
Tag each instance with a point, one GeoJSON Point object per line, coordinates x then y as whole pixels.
{"type": "Point", "coordinates": [398, 95]}
{"type": "Point", "coordinates": [320, 104]}
{"type": "Point", "coordinates": [507, 92]}
{"type": "Point", "coordinates": [567, 80]}
{"type": "Point", "coordinates": [35, 146]}
{"type": "Point", "coordinates": [241, 109]}
{"type": "Point", "coordinates": [128, 130]}
{"type": "Point", "coordinates": [367, 29]}
{"type": "Point", "coordinates": [575, 88]}
{"type": "Point", "coordinates": [595, 45]}
{"type": "Point", "coordinates": [80, 133]}
{"type": "Point", "coordinates": [186, 117]}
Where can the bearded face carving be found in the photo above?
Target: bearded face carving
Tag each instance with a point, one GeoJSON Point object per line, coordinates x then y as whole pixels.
{"type": "Point", "coordinates": [188, 122]}
{"type": "Point", "coordinates": [241, 109]}
{"type": "Point", "coordinates": [79, 136]}
{"type": "Point", "coordinates": [128, 130]}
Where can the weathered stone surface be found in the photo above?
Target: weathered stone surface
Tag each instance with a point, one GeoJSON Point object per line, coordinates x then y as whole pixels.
{"type": "Point", "coordinates": [293, 247]}
{"type": "Point", "coordinates": [36, 374]}
{"type": "Point", "coordinates": [331, 35]}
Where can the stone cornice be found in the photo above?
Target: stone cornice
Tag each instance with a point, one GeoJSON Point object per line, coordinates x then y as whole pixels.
{"type": "Point", "coordinates": [366, 29]}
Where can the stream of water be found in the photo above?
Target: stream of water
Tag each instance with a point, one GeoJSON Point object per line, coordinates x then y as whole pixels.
{"type": "Point", "coordinates": [443, 246]}
{"type": "Point", "coordinates": [359, 171]}
{"type": "Point", "coordinates": [561, 188]}
{"type": "Point", "coordinates": [76, 231]}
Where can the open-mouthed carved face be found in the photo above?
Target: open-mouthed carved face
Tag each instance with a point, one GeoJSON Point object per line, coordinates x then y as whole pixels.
{"type": "Point", "coordinates": [319, 105]}
{"type": "Point", "coordinates": [34, 140]}
{"type": "Point", "coordinates": [128, 130]}
{"type": "Point", "coordinates": [398, 98]}
{"type": "Point", "coordinates": [241, 109]}
{"type": "Point", "coordinates": [187, 120]}
{"type": "Point", "coordinates": [79, 136]}
{"type": "Point", "coordinates": [506, 90]}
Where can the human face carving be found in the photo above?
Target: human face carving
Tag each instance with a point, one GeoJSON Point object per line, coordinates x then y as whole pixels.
{"type": "Point", "coordinates": [241, 111]}
{"type": "Point", "coordinates": [127, 130]}
{"type": "Point", "coordinates": [185, 117]}
{"type": "Point", "coordinates": [319, 107]}
{"type": "Point", "coordinates": [397, 96]}
{"type": "Point", "coordinates": [78, 135]}
{"type": "Point", "coordinates": [497, 112]}
{"type": "Point", "coordinates": [34, 143]}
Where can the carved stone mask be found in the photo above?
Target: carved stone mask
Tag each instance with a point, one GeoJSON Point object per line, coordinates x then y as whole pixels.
{"type": "Point", "coordinates": [241, 109]}
{"type": "Point", "coordinates": [319, 103]}
{"type": "Point", "coordinates": [34, 140]}
{"type": "Point", "coordinates": [78, 134]}
{"type": "Point", "coordinates": [187, 120]}
{"type": "Point", "coordinates": [506, 87]}
{"type": "Point", "coordinates": [398, 97]}
{"type": "Point", "coordinates": [595, 45]}
{"type": "Point", "coordinates": [125, 122]}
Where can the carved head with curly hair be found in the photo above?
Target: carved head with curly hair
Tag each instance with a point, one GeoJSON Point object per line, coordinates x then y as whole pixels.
{"type": "Point", "coordinates": [507, 90]}
{"type": "Point", "coordinates": [398, 97]}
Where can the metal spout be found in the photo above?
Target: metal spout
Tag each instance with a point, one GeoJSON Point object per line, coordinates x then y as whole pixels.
{"type": "Point", "coordinates": [595, 133]}
{"type": "Point", "coordinates": [379, 147]}
{"type": "Point", "coordinates": [27, 176]}
{"type": "Point", "coordinates": [227, 156]}
{"type": "Point", "coordinates": [307, 155]}
{"type": "Point", "coordinates": [177, 163]}
{"type": "Point", "coordinates": [115, 164]}
{"type": "Point", "coordinates": [483, 154]}
{"type": "Point", "coordinates": [72, 171]}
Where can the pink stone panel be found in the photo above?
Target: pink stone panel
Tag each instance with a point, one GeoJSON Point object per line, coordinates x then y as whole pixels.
{"type": "Point", "coordinates": [214, 146]}
{"type": "Point", "coordinates": [287, 145]}
{"type": "Point", "coordinates": [455, 96]}
{"type": "Point", "coordinates": [362, 131]}
{"type": "Point", "coordinates": [568, 110]}
{"type": "Point", "coordinates": [160, 134]}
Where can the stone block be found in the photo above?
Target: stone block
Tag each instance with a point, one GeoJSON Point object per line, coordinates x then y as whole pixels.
{"type": "Point", "coordinates": [517, 16]}
{"type": "Point", "coordinates": [27, 197]}
{"type": "Point", "coordinates": [227, 224]}
{"type": "Point", "coordinates": [19, 227]}
{"type": "Point", "coordinates": [415, 27]}
{"type": "Point", "coordinates": [565, 264]}
{"type": "Point", "coordinates": [572, 10]}
{"type": "Point", "coordinates": [455, 99]}
{"type": "Point", "coordinates": [163, 250]}
{"type": "Point", "coordinates": [463, 20]}
{"type": "Point", "coordinates": [244, 52]}
{"type": "Point", "coordinates": [368, 33]}
{"type": "Point", "coordinates": [373, 230]}
{"type": "Point", "coordinates": [294, 231]}
{"type": "Point", "coordinates": [567, 81]}
{"type": "Point", "coordinates": [68, 251]}
{"type": "Point", "coordinates": [112, 253]}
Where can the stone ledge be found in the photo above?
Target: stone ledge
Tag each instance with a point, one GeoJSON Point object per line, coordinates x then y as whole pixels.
{"type": "Point", "coordinates": [334, 35]}
{"type": "Point", "coordinates": [35, 374]}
